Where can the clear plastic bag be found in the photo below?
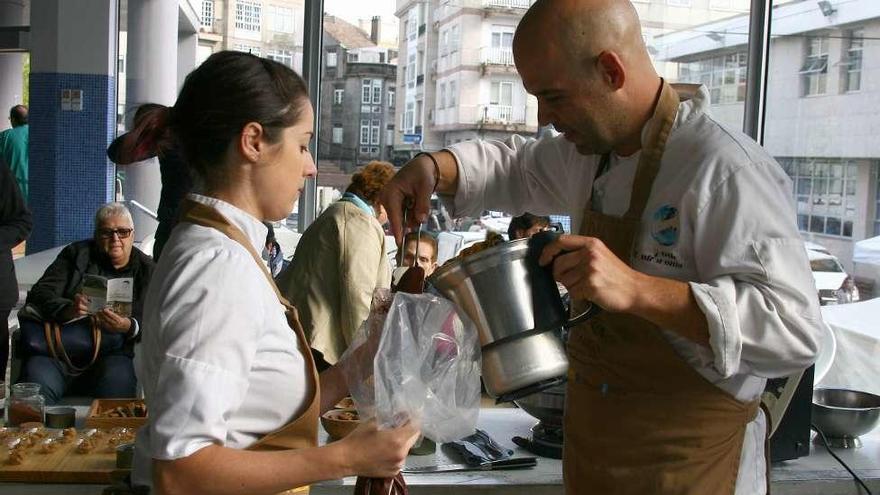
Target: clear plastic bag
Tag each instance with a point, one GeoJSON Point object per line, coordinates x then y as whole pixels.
{"type": "Point", "coordinates": [426, 366]}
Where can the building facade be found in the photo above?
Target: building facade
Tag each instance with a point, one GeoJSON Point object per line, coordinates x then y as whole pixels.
{"type": "Point", "coordinates": [358, 86]}
{"type": "Point", "coordinates": [821, 122]}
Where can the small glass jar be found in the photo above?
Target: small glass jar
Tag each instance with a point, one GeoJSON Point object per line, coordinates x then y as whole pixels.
{"type": "Point", "coordinates": [26, 405]}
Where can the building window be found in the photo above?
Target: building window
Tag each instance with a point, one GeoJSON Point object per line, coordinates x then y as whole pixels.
{"type": "Point", "coordinates": [453, 39]}
{"type": "Point", "coordinates": [501, 93]}
{"type": "Point", "coordinates": [877, 208]}
{"type": "Point", "coordinates": [207, 14]}
{"type": "Point", "coordinates": [338, 95]}
{"type": "Point", "coordinates": [366, 90]}
{"type": "Point", "coordinates": [390, 98]}
{"type": "Point", "coordinates": [377, 92]}
{"type": "Point", "coordinates": [331, 59]}
{"type": "Point", "coordinates": [679, 3]}
{"type": "Point", "coordinates": [441, 100]}
{"type": "Point", "coordinates": [851, 62]}
{"type": "Point", "coordinates": [352, 57]}
{"type": "Point", "coordinates": [365, 132]}
{"type": "Point", "coordinates": [337, 134]}
{"type": "Point", "coordinates": [501, 46]}
{"type": "Point", "coordinates": [453, 93]}
{"type": "Point", "coordinates": [247, 15]}
{"type": "Point", "coordinates": [282, 56]}
{"type": "Point", "coordinates": [411, 70]}
{"type": "Point", "coordinates": [825, 191]}
{"type": "Point", "coordinates": [375, 128]}
{"type": "Point", "coordinates": [814, 72]}
{"type": "Point", "coordinates": [280, 18]}
{"type": "Point", "coordinates": [408, 117]}
{"type": "Point", "coordinates": [253, 50]}
{"type": "Point", "coordinates": [724, 76]}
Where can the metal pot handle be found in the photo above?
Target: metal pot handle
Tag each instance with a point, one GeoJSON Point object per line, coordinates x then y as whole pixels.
{"type": "Point", "coordinates": [592, 311]}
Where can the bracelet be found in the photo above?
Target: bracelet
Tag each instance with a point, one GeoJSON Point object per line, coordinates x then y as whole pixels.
{"type": "Point", "coordinates": [436, 168]}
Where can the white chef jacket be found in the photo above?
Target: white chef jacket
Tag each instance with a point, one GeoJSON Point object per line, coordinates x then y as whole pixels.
{"type": "Point", "coordinates": [217, 360]}
{"type": "Point", "coordinates": [720, 216]}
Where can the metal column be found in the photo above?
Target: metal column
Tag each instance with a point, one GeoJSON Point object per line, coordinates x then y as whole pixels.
{"type": "Point", "coordinates": [313, 30]}
{"type": "Point", "coordinates": [759, 57]}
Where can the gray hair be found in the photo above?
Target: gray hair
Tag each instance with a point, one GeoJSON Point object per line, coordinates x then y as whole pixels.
{"type": "Point", "coordinates": [112, 210]}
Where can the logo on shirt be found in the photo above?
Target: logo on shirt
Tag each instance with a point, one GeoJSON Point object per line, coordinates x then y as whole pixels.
{"type": "Point", "coordinates": [665, 227]}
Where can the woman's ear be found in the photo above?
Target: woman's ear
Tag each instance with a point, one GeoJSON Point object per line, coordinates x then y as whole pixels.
{"type": "Point", "coordinates": [251, 141]}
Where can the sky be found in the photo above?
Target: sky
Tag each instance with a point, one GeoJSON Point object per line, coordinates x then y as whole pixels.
{"type": "Point", "coordinates": [352, 10]}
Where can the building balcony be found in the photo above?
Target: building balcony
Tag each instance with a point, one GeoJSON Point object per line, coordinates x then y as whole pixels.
{"type": "Point", "coordinates": [496, 56]}
{"type": "Point", "coordinates": [501, 115]}
{"type": "Point", "coordinates": [507, 5]}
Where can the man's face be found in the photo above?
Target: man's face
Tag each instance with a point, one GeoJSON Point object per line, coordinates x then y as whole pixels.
{"type": "Point", "coordinates": [576, 105]}
{"type": "Point", "coordinates": [426, 256]}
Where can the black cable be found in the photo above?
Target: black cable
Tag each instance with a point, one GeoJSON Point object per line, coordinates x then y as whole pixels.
{"type": "Point", "coordinates": [828, 448]}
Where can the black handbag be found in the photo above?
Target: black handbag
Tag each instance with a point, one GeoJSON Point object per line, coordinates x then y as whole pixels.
{"type": "Point", "coordinates": [75, 345]}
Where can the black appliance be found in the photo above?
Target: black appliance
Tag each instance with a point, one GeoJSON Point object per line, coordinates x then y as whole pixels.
{"type": "Point", "coordinates": [792, 437]}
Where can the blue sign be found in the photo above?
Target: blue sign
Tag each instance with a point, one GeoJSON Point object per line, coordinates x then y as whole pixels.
{"type": "Point", "coordinates": [412, 139]}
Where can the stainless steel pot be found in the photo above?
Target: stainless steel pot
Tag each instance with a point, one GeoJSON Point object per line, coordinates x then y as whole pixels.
{"type": "Point", "coordinates": [516, 308]}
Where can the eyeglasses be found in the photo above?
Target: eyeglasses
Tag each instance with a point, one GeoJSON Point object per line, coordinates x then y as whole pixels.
{"type": "Point", "coordinates": [109, 233]}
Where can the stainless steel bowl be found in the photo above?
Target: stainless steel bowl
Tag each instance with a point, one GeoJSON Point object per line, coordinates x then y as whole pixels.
{"type": "Point", "coordinates": [845, 414]}
{"type": "Point", "coordinates": [548, 406]}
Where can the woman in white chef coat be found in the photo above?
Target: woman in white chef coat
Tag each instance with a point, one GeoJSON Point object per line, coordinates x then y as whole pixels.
{"type": "Point", "coordinates": [231, 389]}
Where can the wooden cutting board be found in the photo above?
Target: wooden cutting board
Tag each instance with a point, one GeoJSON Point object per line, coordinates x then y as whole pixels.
{"type": "Point", "coordinates": [65, 465]}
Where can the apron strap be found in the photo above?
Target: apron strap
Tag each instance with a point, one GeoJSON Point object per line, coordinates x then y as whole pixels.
{"type": "Point", "coordinates": [657, 133]}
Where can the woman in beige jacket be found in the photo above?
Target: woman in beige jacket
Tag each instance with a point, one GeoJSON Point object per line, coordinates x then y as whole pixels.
{"type": "Point", "coordinates": [339, 261]}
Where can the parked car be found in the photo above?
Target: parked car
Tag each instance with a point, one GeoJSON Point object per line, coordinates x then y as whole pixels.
{"type": "Point", "coordinates": [828, 274]}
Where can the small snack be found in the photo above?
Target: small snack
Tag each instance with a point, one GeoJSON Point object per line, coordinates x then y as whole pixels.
{"type": "Point", "coordinates": [49, 445]}
{"type": "Point", "coordinates": [492, 239]}
{"type": "Point", "coordinates": [5, 433]}
{"type": "Point", "coordinates": [15, 442]}
{"type": "Point", "coordinates": [31, 424]}
{"type": "Point", "coordinates": [348, 416]}
{"type": "Point", "coordinates": [36, 433]}
{"type": "Point", "coordinates": [134, 409]}
{"type": "Point", "coordinates": [84, 445]}
{"type": "Point", "coordinates": [68, 435]}
{"type": "Point", "coordinates": [15, 458]}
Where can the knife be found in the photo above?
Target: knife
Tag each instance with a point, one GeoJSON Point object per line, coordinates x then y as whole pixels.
{"type": "Point", "coordinates": [514, 463]}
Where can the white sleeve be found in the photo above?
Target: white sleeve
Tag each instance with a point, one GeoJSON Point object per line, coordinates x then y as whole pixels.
{"type": "Point", "coordinates": [542, 177]}
{"type": "Point", "coordinates": [758, 295]}
{"type": "Point", "coordinates": [210, 321]}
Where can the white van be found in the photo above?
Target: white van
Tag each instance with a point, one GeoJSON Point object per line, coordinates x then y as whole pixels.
{"type": "Point", "coordinates": [828, 273]}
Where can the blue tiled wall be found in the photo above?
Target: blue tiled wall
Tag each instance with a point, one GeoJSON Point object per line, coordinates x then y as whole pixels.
{"type": "Point", "coordinates": [70, 174]}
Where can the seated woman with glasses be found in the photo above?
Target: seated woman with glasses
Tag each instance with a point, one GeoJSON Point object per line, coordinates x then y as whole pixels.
{"type": "Point", "coordinates": [58, 297]}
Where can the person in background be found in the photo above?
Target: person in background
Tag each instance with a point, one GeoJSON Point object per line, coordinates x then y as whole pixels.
{"type": "Point", "coordinates": [232, 391]}
{"type": "Point", "coordinates": [128, 149]}
{"type": "Point", "coordinates": [427, 251]}
{"type": "Point", "coordinates": [848, 292]}
{"type": "Point", "coordinates": [272, 251]}
{"type": "Point", "coordinates": [57, 297]}
{"type": "Point", "coordinates": [15, 226]}
{"type": "Point", "coordinates": [338, 263]}
{"type": "Point", "coordinates": [527, 225]}
{"type": "Point", "coordinates": [14, 147]}
{"type": "Point", "coordinates": [706, 292]}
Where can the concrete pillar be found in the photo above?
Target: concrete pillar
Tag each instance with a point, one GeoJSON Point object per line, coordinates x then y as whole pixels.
{"type": "Point", "coordinates": [72, 116]}
{"type": "Point", "coordinates": [151, 77]}
{"type": "Point", "coordinates": [187, 55]}
{"type": "Point", "coordinates": [12, 14]}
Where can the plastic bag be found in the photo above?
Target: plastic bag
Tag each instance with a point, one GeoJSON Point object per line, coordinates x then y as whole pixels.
{"type": "Point", "coordinates": [426, 367]}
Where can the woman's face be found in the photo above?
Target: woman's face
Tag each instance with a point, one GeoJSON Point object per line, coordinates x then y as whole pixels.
{"type": "Point", "coordinates": [114, 238]}
{"type": "Point", "coordinates": [288, 163]}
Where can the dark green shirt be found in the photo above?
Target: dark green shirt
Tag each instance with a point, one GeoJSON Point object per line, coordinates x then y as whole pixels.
{"type": "Point", "coordinates": [14, 150]}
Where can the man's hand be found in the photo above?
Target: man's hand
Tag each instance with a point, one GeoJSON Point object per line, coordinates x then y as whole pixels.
{"type": "Point", "coordinates": [112, 322]}
{"type": "Point", "coordinates": [409, 189]}
{"type": "Point", "coordinates": [590, 271]}
{"type": "Point", "coordinates": [79, 307]}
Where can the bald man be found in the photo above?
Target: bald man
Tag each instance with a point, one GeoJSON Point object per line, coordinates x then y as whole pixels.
{"type": "Point", "coordinates": [686, 238]}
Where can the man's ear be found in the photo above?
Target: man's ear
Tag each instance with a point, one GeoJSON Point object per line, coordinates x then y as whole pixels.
{"type": "Point", "coordinates": [250, 142]}
{"type": "Point", "coordinates": [611, 69]}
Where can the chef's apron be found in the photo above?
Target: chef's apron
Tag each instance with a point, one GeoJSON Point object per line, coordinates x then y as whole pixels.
{"type": "Point", "coordinates": [638, 418]}
{"type": "Point", "coordinates": [301, 432]}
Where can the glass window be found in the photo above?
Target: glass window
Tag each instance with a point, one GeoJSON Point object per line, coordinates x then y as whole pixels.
{"type": "Point", "coordinates": [247, 15]}
{"type": "Point", "coordinates": [390, 98]}
{"type": "Point", "coordinates": [814, 71]}
{"type": "Point", "coordinates": [253, 50]}
{"type": "Point", "coordinates": [337, 134]}
{"type": "Point", "coordinates": [280, 18]}
{"type": "Point", "coordinates": [338, 95]}
{"type": "Point", "coordinates": [724, 76]}
{"type": "Point", "coordinates": [283, 56]}
{"type": "Point", "coordinates": [365, 131]}
{"type": "Point", "coordinates": [207, 20]}
{"type": "Point", "coordinates": [366, 90]}
{"type": "Point", "coordinates": [375, 128]}
{"type": "Point", "coordinates": [851, 61]}
{"type": "Point", "coordinates": [331, 59]}
{"type": "Point", "coordinates": [825, 192]}
{"type": "Point", "coordinates": [453, 94]}
{"type": "Point", "coordinates": [441, 100]}
{"type": "Point", "coordinates": [377, 92]}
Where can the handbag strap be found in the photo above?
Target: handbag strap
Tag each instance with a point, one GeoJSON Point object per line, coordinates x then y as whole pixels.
{"type": "Point", "coordinates": [52, 331]}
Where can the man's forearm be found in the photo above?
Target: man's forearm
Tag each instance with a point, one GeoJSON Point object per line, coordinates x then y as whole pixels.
{"type": "Point", "coordinates": [671, 305]}
{"type": "Point", "coordinates": [448, 180]}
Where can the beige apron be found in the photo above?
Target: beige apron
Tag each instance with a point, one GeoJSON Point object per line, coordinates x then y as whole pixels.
{"type": "Point", "coordinates": [639, 419]}
{"type": "Point", "coordinates": [302, 432]}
